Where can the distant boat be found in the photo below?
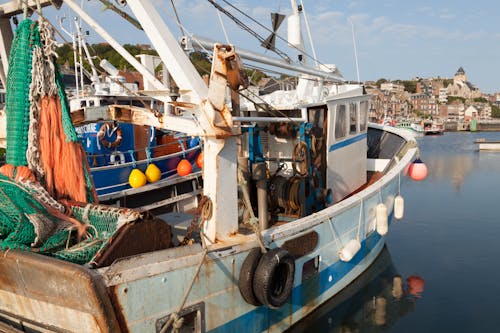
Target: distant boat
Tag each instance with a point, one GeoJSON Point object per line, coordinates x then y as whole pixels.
{"type": "Point", "coordinates": [432, 127]}
{"type": "Point", "coordinates": [416, 129]}
{"type": "Point", "coordinates": [491, 145]}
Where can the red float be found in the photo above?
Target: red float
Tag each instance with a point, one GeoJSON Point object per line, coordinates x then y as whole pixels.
{"type": "Point", "coordinates": [417, 170]}
{"type": "Point", "coordinates": [199, 161]}
{"type": "Point", "coordinates": [415, 285]}
{"type": "Point", "coordinates": [184, 168]}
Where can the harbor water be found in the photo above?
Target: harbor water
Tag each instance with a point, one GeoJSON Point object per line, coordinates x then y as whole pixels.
{"type": "Point", "coordinates": [444, 252]}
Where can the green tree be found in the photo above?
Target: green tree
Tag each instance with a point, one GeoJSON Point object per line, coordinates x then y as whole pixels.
{"type": "Point", "coordinates": [410, 85]}
{"type": "Point", "coordinates": [480, 100]}
{"type": "Point", "coordinates": [495, 111]}
{"type": "Point", "coordinates": [451, 99]}
{"type": "Point", "coordinates": [380, 81]}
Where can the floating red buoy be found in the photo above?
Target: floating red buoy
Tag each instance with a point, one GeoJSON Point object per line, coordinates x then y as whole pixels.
{"type": "Point", "coordinates": [415, 285]}
{"type": "Point", "coordinates": [199, 161]}
{"type": "Point", "coordinates": [184, 168]}
{"type": "Point", "coordinates": [417, 170]}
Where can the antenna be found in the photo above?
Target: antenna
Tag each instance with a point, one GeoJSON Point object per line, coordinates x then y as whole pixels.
{"type": "Point", "coordinates": [308, 28]}
{"type": "Point", "coordinates": [355, 50]}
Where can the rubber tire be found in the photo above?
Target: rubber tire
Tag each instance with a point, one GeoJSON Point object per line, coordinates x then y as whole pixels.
{"type": "Point", "coordinates": [273, 278]}
{"type": "Point", "coordinates": [245, 280]}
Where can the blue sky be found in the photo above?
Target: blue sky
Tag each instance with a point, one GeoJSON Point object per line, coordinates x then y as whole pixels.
{"type": "Point", "coordinates": [395, 39]}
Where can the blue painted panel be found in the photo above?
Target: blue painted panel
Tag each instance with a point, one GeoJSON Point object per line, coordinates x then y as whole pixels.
{"type": "Point", "coordinates": [347, 142]}
{"type": "Point", "coordinates": [255, 320]}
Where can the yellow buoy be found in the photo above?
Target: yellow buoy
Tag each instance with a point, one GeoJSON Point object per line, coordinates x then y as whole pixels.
{"type": "Point", "coordinates": [137, 178]}
{"type": "Point", "coordinates": [153, 173]}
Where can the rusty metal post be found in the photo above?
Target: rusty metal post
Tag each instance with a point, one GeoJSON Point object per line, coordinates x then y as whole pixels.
{"type": "Point", "coordinates": [259, 175]}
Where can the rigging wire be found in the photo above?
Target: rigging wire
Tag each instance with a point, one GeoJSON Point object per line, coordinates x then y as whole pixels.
{"type": "Point", "coordinates": [247, 28]}
{"type": "Point", "coordinates": [312, 57]}
{"type": "Point", "coordinates": [177, 18]}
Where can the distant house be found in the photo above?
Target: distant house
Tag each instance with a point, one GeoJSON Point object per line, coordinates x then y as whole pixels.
{"type": "Point", "coordinates": [471, 113]}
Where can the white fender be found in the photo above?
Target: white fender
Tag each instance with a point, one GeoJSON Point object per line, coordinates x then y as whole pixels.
{"type": "Point", "coordinates": [382, 221]}
{"type": "Point", "coordinates": [121, 158]}
{"type": "Point", "coordinates": [399, 207]}
{"type": "Point", "coordinates": [350, 250]}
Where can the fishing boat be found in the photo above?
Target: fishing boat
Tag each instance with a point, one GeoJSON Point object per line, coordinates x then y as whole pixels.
{"type": "Point", "coordinates": [114, 149]}
{"type": "Point", "coordinates": [414, 128]}
{"type": "Point", "coordinates": [299, 191]}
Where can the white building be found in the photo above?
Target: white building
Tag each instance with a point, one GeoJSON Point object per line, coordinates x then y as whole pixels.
{"type": "Point", "coordinates": [392, 87]}
{"type": "Point", "coordinates": [443, 95]}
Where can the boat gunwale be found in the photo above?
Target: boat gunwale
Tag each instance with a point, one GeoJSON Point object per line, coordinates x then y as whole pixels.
{"type": "Point", "coordinates": [126, 270]}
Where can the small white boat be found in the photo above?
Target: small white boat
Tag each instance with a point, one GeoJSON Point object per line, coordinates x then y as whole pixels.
{"type": "Point", "coordinates": [433, 127]}
{"type": "Point", "coordinates": [416, 129]}
{"type": "Point", "coordinates": [489, 145]}
{"type": "Point", "coordinates": [298, 194]}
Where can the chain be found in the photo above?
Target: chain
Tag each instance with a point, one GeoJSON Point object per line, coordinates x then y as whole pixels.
{"type": "Point", "coordinates": [204, 210]}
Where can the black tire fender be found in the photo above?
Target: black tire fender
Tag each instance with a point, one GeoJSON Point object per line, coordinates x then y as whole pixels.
{"type": "Point", "coordinates": [245, 280]}
{"type": "Point", "coordinates": [273, 278]}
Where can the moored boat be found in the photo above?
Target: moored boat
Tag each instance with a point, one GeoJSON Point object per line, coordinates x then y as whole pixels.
{"type": "Point", "coordinates": [299, 191]}
{"type": "Point", "coordinates": [432, 127]}
{"type": "Point", "coordinates": [416, 129]}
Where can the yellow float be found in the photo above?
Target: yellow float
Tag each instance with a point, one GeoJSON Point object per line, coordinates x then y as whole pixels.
{"type": "Point", "coordinates": [137, 178]}
{"type": "Point", "coordinates": [153, 173]}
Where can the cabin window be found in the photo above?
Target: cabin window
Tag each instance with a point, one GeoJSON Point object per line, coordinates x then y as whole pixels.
{"type": "Point", "coordinates": [363, 115]}
{"type": "Point", "coordinates": [353, 118]}
{"type": "Point", "coordinates": [317, 120]}
{"type": "Point", "coordinates": [340, 122]}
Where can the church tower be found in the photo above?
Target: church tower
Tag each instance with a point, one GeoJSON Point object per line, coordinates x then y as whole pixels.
{"type": "Point", "coordinates": [460, 76]}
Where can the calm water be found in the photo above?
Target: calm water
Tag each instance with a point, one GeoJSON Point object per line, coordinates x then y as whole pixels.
{"type": "Point", "coordinates": [446, 251]}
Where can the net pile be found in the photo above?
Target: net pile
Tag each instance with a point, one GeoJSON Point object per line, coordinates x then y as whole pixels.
{"type": "Point", "coordinates": [28, 221]}
{"type": "Point", "coordinates": [46, 192]}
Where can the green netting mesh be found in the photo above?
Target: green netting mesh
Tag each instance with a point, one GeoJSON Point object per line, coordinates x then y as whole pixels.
{"type": "Point", "coordinates": [26, 224]}
{"type": "Point", "coordinates": [17, 92]}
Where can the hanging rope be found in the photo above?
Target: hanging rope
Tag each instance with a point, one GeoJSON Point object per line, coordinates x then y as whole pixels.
{"type": "Point", "coordinates": [359, 222]}
{"type": "Point", "coordinates": [175, 321]}
{"type": "Point", "coordinates": [134, 163]}
{"type": "Point", "coordinates": [253, 221]}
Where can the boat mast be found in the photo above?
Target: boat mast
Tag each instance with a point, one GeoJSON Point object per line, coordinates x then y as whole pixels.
{"type": "Point", "coordinates": [220, 150]}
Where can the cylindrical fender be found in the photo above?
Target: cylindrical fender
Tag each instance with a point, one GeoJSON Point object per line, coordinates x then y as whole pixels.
{"type": "Point", "coordinates": [245, 281]}
{"type": "Point", "coordinates": [399, 207]}
{"type": "Point", "coordinates": [382, 219]}
{"type": "Point", "coordinates": [273, 278]}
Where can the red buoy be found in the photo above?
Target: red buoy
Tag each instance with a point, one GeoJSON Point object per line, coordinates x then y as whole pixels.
{"type": "Point", "coordinates": [184, 168]}
{"type": "Point", "coordinates": [415, 285]}
{"type": "Point", "coordinates": [199, 161]}
{"type": "Point", "coordinates": [417, 170]}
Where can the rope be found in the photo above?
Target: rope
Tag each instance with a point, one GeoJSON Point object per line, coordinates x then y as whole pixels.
{"type": "Point", "coordinates": [174, 318]}
{"type": "Point", "coordinates": [148, 155]}
{"type": "Point", "coordinates": [253, 221]}
{"type": "Point", "coordinates": [359, 222]}
{"type": "Point", "coordinates": [32, 151]}
{"type": "Point", "coordinates": [131, 152]}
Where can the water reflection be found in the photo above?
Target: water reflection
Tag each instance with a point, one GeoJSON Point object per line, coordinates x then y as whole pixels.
{"type": "Point", "coordinates": [455, 168]}
{"type": "Point", "coordinates": [372, 303]}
